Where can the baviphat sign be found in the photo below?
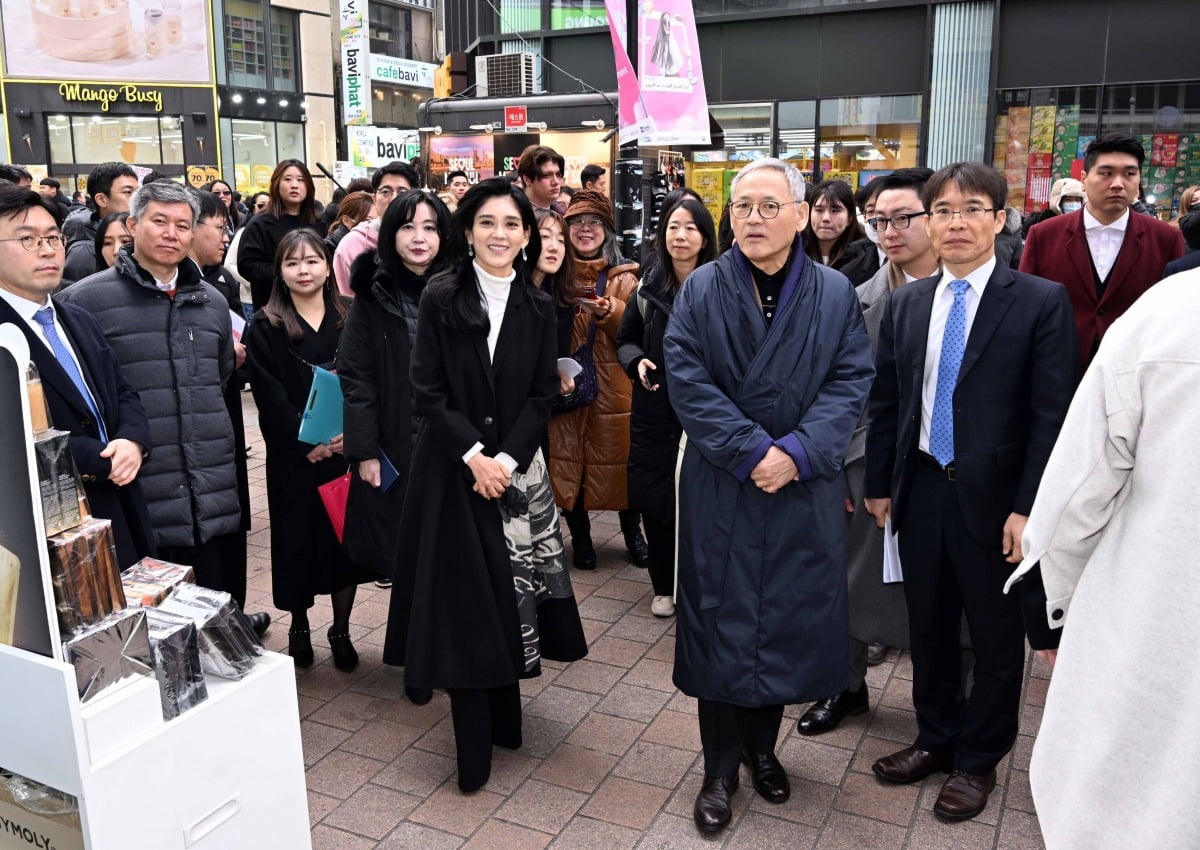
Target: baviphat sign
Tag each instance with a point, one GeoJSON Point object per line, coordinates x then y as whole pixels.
{"type": "Point", "coordinates": [405, 72]}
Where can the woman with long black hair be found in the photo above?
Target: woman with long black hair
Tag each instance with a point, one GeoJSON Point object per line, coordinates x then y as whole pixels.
{"type": "Point", "coordinates": [373, 364]}
{"type": "Point", "coordinates": [291, 205]}
{"type": "Point", "coordinates": [686, 240]}
{"type": "Point", "coordinates": [298, 329]}
{"type": "Point", "coordinates": [480, 546]}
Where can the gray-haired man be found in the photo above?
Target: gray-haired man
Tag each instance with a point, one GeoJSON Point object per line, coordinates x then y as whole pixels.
{"type": "Point", "coordinates": [172, 333]}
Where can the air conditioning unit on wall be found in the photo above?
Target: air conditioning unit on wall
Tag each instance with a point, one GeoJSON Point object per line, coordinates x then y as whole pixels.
{"type": "Point", "coordinates": [505, 75]}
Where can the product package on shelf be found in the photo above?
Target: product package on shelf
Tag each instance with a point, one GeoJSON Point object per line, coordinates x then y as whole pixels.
{"type": "Point", "coordinates": [83, 568]}
{"type": "Point", "coordinates": [113, 650]}
{"type": "Point", "coordinates": [64, 504]}
{"type": "Point", "coordinates": [175, 646]}
{"type": "Point", "coordinates": [10, 583]}
{"type": "Point", "coordinates": [36, 815]}
{"type": "Point", "coordinates": [39, 411]}
{"type": "Point", "coordinates": [148, 582]}
{"type": "Point", "coordinates": [228, 644]}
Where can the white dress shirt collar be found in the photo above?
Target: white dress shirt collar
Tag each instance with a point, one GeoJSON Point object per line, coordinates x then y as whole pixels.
{"type": "Point", "coordinates": [977, 278]}
{"type": "Point", "coordinates": [1091, 223]}
{"type": "Point", "coordinates": [24, 307]}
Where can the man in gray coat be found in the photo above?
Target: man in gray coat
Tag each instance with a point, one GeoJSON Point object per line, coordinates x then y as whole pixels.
{"type": "Point", "coordinates": [173, 335]}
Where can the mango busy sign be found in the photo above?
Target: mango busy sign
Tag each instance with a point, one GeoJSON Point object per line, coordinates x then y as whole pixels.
{"type": "Point", "coordinates": [106, 96]}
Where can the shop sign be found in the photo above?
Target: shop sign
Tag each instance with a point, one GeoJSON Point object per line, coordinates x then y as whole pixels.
{"type": "Point", "coordinates": [356, 84]}
{"type": "Point", "coordinates": [199, 176]}
{"type": "Point", "coordinates": [374, 147]}
{"type": "Point", "coordinates": [106, 96]}
{"type": "Point", "coordinates": [516, 119]}
{"type": "Point", "coordinates": [405, 72]}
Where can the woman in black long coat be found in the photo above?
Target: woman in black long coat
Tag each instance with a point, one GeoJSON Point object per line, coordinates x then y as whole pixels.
{"type": "Point", "coordinates": [480, 546]}
{"type": "Point", "coordinates": [373, 364]}
{"type": "Point", "coordinates": [299, 329]}
{"type": "Point", "coordinates": [686, 240]}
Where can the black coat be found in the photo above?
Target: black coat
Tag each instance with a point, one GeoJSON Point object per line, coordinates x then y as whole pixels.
{"type": "Point", "coordinates": [460, 627]}
{"type": "Point", "coordinates": [373, 364]}
{"type": "Point", "coordinates": [123, 415]}
{"type": "Point", "coordinates": [860, 262]}
{"type": "Point", "coordinates": [256, 252]}
{"type": "Point", "coordinates": [306, 558]}
{"type": "Point", "coordinates": [225, 283]}
{"type": "Point", "coordinates": [654, 430]}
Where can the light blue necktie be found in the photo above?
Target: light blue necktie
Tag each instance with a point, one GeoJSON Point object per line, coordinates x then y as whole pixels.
{"type": "Point", "coordinates": [954, 341]}
{"type": "Point", "coordinates": [45, 318]}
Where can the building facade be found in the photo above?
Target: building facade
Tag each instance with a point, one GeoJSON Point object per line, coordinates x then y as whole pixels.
{"type": "Point", "coordinates": [855, 88]}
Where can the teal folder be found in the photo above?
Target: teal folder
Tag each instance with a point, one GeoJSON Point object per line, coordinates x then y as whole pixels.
{"type": "Point", "coordinates": [322, 417]}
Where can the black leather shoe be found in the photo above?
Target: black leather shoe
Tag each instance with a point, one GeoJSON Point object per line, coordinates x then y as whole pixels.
{"type": "Point", "coordinates": [583, 554]}
{"type": "Point", "coordinates": [260, 621]}
{"type": "Point", "coordinates": [770, 779]}
{"type": "Point", "coordinates": [877, 653]}
{"type": "Point", "coordinates": [964, 795]}
{"type": "Point", "coordinates": [300, 647]}
{"type": "Point", "coordinates": [910, 765]}
{"type": "Point", "coordinates": [714, 803]}
{"type": "Point", "coordinates": [825, 715]}
{"type": "Point", "coordinates": [639, 551]}
{"type": "Point", "coordinates": [345, 657]}
{"type": "Point", "coordinates": [418, 696]}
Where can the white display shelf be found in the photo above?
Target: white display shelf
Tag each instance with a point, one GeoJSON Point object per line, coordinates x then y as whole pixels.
{"type": "Point", "coordinates": [227, 775]}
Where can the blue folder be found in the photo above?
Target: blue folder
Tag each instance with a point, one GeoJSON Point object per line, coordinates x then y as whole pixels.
{"type": "Point", "coordinates": [387, 472]}
{"type": "Point", "coordinates": [322, 417]}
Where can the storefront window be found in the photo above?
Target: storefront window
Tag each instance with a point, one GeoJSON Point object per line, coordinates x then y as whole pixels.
{"type": "Point", "coordinates": [251, 59]}
{"type": "Point", "coordinates": [390, 30]}
{"type": "Point", "coordinates": [798, 133]}
{"type": "Point", "coordinates": [145, 140]}
{"type": "Point", "coordinates": [747, 128]}
{"type": "Point", "coordinates": [255, 147]}
{"type": "Point", "coordinates": [1040, 136]}
{"type": "Point", "coordinates": [394, 106]}
{"type": "Point", "coordinates": [570, 14]}
{"type": "Point", "coordinates": [864, 137]}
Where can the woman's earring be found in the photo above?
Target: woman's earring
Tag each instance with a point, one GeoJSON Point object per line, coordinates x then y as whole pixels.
{"type": "Point", "coordinates": [470, 250]}
{"type": "Point", "coordinates": [523, 256]}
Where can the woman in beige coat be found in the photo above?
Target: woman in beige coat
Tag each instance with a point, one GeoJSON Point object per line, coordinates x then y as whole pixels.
{"type": "Point", "coordinates": [589, 446]}
{"type": "Point", "coordinates": [1115, 529]}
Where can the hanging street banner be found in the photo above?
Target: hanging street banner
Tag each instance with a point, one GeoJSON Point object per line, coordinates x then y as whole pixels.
{"type": "Point", "coordinates": [356, 50]}
{"type": "Point", "coordinates": [631, 112]}
{"type": "Point", "coordinates": [669, 74]}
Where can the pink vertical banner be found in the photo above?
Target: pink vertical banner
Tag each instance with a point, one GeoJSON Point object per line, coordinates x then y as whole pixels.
{"type": "Point", "coordinates": [631, 112]}
{"type": "Point", "coordinates": [669, 73]}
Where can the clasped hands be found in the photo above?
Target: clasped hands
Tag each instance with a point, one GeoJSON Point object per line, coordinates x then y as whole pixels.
{"type": "Point", "coordinates": [491, 476]}
{"type": "Point", "coordinates": [325, 450]}
{"type": "Point", "coordinates": [775, 471]}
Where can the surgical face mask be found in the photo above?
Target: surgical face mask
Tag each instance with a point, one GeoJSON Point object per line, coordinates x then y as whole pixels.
{"type": "Point", "coordinates": [1071, 206]}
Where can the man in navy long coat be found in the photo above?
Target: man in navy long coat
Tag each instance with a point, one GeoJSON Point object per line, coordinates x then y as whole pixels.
{"type": "Point", "coordinates": [770, 366]}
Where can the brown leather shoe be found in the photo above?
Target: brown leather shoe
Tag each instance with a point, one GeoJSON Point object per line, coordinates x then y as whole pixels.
{"type": "Point", "coordinates": [964, 795]}
{"type": "Point", "coordinates": [910, 765]}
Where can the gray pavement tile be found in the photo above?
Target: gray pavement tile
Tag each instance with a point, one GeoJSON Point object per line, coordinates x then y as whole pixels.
{"type": "Point", "coordinates": [655, 764]}
{"type": "Point", "coordinates": [542, 806]}
{"type": "Point", "coordinates": [450, 810]}
{"type": "Point", "coordinates": [319, 740]}
{"type": "Point", "coordinates": [415, 772]}
{"type": "Point", "coordinates": [758, 831]}
{"type": "Point", "coordinates": [562, 705]}
{"type": "Point", "coordinates": [575, 767]}
{"type": "Point", "coordinates": [498, 835]}
{"type": "Point", "coordinates": [414, 836]}
{"type": "Point", "coordinates": [633, 702]}
{"type": "Point", "coordinates": [372, 811]}
{"type": "Point", "coordinates": [625, 802]}
{"type": "Point", "coordinates": [328, 838]}
{"type": "Point", "coordinates": [584, 833]}
{"type": "Point", "coordinates": [340, 774]}
{"type": "Point", "coordinates": [850, 832]}
{"type": "Point", "coordinates": [671, 832]}
{"type": "Point", "coordinates": [1020, 831]}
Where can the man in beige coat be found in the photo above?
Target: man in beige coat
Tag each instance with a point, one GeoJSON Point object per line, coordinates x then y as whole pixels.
{"type": "Point", "coordinates": [1116, 532]}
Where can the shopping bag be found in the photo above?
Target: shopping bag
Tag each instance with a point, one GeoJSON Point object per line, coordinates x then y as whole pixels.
{"type": "Point", "coordinates": [334, 495]}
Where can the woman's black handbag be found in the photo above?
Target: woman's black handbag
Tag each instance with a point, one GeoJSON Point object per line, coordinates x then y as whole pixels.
{"type": "Point", "coordinates": [585, 382]}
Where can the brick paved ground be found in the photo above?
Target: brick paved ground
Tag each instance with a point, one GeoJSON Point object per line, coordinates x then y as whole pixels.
{"type": "Point", "coordinates": [612, 753]}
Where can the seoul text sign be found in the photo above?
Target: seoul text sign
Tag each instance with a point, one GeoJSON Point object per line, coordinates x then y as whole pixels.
{"type": "Point", "coordinates": [516, 119]}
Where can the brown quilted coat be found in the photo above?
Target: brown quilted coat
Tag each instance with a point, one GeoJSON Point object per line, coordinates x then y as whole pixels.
{"type": "Point", "coordinates": [591, 444]}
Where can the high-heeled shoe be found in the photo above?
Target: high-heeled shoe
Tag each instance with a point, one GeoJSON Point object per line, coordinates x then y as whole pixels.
{"type": "Point", "coordinates": [300, 647]}
{"type": "Point", "coordinates": [345, 658]}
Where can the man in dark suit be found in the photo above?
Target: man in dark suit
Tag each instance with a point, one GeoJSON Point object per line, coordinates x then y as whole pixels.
{"type": "Point", "coordinates": [974, 372]}
{"type": "Point", "coordinates": [1103, 255]}
{"type": "Point", "coordinates": [1189, 226]}
{"type": "Point", "coordinates": [81, 377]}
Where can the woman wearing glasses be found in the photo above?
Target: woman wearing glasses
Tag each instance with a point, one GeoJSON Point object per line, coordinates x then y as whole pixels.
{"type": "Point", "coordinates": [589, 445]}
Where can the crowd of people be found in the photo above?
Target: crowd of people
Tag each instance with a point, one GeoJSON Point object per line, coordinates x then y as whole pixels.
{"type": "Point", "coordinates": [762, 401]}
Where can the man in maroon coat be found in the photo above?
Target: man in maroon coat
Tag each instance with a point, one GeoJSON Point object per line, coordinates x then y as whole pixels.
{"type": "Point", "coordinates": [1105, 255]}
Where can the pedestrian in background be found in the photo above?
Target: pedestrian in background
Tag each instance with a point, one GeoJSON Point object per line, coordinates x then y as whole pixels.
{"type": "Point", "coordinates": [291, 204]}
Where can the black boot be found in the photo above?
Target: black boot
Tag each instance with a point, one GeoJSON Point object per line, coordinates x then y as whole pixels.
{"type": "Point", "coordinates": [583, 554]}
{"type": "Point", "coordinates": [300, 647]}
{"type": "Point", "coordinates": [345, 657]}
{"type": "Point", "coordinates": [635, 541]}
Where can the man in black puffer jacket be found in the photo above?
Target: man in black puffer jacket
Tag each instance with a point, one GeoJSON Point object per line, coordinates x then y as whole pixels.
{"type": "Point", "coordinates": [172, 333]}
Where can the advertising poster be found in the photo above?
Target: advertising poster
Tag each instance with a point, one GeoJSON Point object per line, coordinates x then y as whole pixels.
{"type": "Point", "coordinates": [1165, 150]}
{"type": "Point", "coordinates": [579, 150]}
{"type": "Point", "coordinates": [507, 148]}
{"type": "Point", "coordinates": [472, 154]}
{"type": "Point", "coordinates": [1037, 189]}
{"type": "Point", "coordinates": [356, 50]}
{"type": "Point", "coordinates": [1066, 139]}
{"type": "Point", "coordinates": [631, 110]}
{"type": "Point", "coordinates": [669, 74]}
{"type": "Point", "coordinates": [26, 599]}
{"type": "Point", "coordinates": [96, 40]}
